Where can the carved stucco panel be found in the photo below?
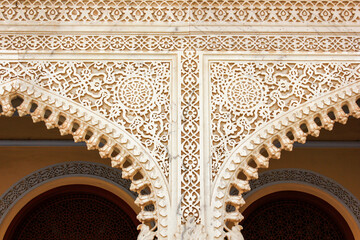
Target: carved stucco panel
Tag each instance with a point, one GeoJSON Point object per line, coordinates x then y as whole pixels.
{"type": "Point", "coordinates": [247, 95]}
{"type": "Point", "coordinates": [109, 18]}
{"type": "Point", "coordinates": [134, 95]}
{"type": "Point", "coordinates": [190, 136]}
{"type": "Point", "coordinates": [307, 119]}
{"type": "Point", "coordinates": [120, 146]}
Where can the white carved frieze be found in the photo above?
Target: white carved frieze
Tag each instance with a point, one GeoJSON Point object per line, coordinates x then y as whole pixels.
{"type": "Point", "coordinates": [242, 42]}
{"type": "Point", "coordinates": [209, 15]}
{"type": "Point", "coordinates": [191, 114]}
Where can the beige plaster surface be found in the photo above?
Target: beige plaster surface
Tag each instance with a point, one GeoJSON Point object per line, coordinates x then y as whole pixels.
{"type": "Point", "coordinates": [341, 165]}
{"type": "Point", "coordinates": [17, 162]}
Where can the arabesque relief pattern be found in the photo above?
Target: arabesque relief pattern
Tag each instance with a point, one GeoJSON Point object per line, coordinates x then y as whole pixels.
{"type": "Point", "coordinates": [134, 95]}
{"type": "Point", "coordinates": [164, 43]}
{"type": "Point", "coordinates": [190, 190]}
{"type": "Point", "coordinates": [129, 101]}
{"type": "Point", "coordinates": [180, 11]}
{"type": "Point", "coordinates": [190, 131]}
{"type": "Point", "coordinates": [267, 143]}
{"type": "Point", "coordinates": [246, 95]}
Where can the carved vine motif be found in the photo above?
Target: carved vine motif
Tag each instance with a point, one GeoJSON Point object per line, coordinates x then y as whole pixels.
{"type": "Point", "coordinates": [190, 152]}
{"type": "Point", "coordinates": [19, 189]}
{"type": "Point", "coordinates": [247, 95]}
{"type": "Point", "coordinates": [134, 95]}
{"type": "Point", "coordinates": [92, 11]}
{"type": "Point", "coordinates": [172, 43]}
{"type": "Point", "coordinates": [307, 177]}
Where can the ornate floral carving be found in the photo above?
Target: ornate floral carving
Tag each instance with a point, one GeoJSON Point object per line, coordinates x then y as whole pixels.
{"type": "Point", "coordinates": [152, 127]}
{"type": "Point", "coordinates": [280, 133]}
{"type": "Point", "coordinates": [311, 178]}
{"type": "Point", "coordinates": [54, 11]}
{"type": "Point", "coordinates": [325, 43]}
{"type": "Point", "coordinates": [190, 140]}
{"type": "Point", "coordinates": [134, 95]}
{"type": "Point", "coordinates": [246, 95]}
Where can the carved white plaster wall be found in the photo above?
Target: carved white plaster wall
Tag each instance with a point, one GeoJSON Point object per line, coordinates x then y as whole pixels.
{"type": "Point", "coordinates": [172, 83]}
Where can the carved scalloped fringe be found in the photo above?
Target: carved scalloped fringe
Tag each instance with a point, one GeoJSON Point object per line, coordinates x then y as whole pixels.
{"type": "Point", "coordinates": [322, 114]}
{"type": "Point", "coordinates": [44, 108]}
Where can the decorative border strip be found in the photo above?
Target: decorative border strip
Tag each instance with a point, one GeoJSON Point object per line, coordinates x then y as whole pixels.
{"type": "Point", "coordinates": [181, 11]}
{"type": "Point", "coordinates": [56, 171]}
{"type": "Point", "coordinates": [311, 178]}
{"type": "Point", "coordinates": [257, 43]}
{"type": "Point", "coordinates": [190, 132]}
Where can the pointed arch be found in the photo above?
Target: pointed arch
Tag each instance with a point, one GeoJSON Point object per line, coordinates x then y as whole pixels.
{"type": "Point", "coordinates": [99, 133]}
{"type": "Point", "coordinates": [268, 141]}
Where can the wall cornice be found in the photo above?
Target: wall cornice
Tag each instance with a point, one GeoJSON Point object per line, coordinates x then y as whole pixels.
{"type": "Point", "coordinates": [180, 17]}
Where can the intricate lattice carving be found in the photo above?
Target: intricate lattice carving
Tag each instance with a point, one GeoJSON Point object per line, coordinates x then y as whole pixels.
{"type": "Point", "coordinates": [302, 176]}
{"type": "Point", "coordinates": [271, 138]}
{"type": "Point", "coordinates": [190, 140]}
{"type": "Point", "coordinates": [244, 96]}
{"type": "Point", "coordinates": [173, 43]}
{"type": "Point", "coordinates": [54, 11]}
{"type": "Point", "coordinates": [183, 15]}
{"type": "Point", "coordinates": [134, 95]}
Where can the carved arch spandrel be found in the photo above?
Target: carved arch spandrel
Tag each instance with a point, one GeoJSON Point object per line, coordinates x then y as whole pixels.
{"type": "Point", "coordinates": [267, 142]}
{"type": "Point", "coordinates": [114, 143]}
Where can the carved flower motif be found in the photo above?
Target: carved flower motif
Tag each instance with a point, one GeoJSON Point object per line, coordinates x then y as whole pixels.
{"type": "Point", "coordinates": [95, 83]}
{"type": "Point", "coordinates": [150, 128]}
{"type": "Point", "coordinates": [229, 128]}
{"type": "Point", "coordinates": [283, 85]}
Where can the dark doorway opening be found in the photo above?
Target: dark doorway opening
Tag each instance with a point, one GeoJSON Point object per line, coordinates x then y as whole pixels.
{"type": "Point", "coordinates": [293, 215]}
{"type": "Point", "coordinates": [74, 212]}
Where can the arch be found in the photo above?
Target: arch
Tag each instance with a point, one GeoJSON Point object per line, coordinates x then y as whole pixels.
{"type": "Point", "coordinates": [58, 172]}
{"type": "Point", "coordinates": [268, 141]}
{"type": "Point", "coordinates": [81, 201]}
{"type": "Point", "coordinates": [110, 140]}
{"type": "Point", "coordinates": [289, 206]}
{"type": "Point", "coordinates": [293, 179]}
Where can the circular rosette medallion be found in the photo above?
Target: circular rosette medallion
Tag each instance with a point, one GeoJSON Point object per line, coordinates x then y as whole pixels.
{"type": "Point", "coordinates": [245, 94]}
{"type": "Point", "coordinates": [136, 93]}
